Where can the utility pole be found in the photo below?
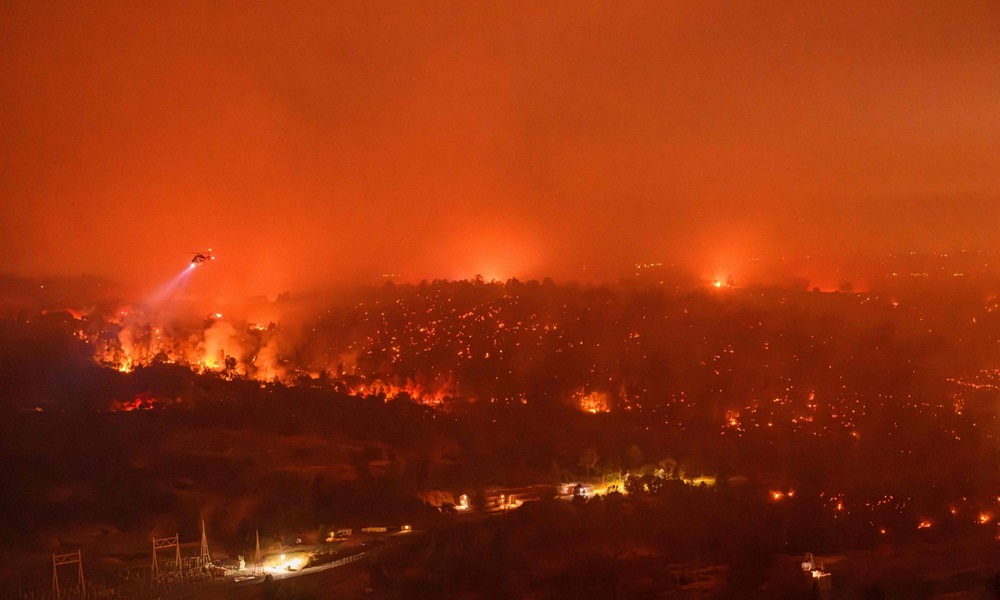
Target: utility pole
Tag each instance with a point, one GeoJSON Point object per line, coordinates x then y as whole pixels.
{"type": "Point", "coordinates": [258, 563]}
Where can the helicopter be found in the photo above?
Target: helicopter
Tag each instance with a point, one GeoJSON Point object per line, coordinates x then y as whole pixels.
{"type": "Point", "coordinates": [201, 258]}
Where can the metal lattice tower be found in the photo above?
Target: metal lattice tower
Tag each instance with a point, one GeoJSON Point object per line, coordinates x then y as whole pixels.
{"type": "Point", "coordinates": [67, 559]}
{"type": "Point", "coordinates": [206, 558]}
{"type": "Point", "coordinates": [164, 544]}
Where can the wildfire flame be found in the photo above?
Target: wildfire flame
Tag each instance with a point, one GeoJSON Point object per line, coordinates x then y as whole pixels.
{"type": "Point", "coordinates": [241, 351]}
{"type": "Point", "coordinates": [593, 402]}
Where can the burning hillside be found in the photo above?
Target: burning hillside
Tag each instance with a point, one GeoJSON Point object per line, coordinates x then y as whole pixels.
{"type": "Point", "coordinates": [694, 358]}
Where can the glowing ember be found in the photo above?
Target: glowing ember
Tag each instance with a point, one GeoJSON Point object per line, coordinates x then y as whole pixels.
{"type": "Point", "coordinates": [144, 401]}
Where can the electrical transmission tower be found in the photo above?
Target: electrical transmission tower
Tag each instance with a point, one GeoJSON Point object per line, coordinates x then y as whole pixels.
{"type": "Point", "coordinates": [206, 558]}
{"type": "Point", "coordinates": [165, 544]}
{"type": "Point", "coordinates": [59, 560]}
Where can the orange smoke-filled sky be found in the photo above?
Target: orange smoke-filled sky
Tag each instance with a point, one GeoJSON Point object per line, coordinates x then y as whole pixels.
{"type": "Point", "coordinates": [311, 143]}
